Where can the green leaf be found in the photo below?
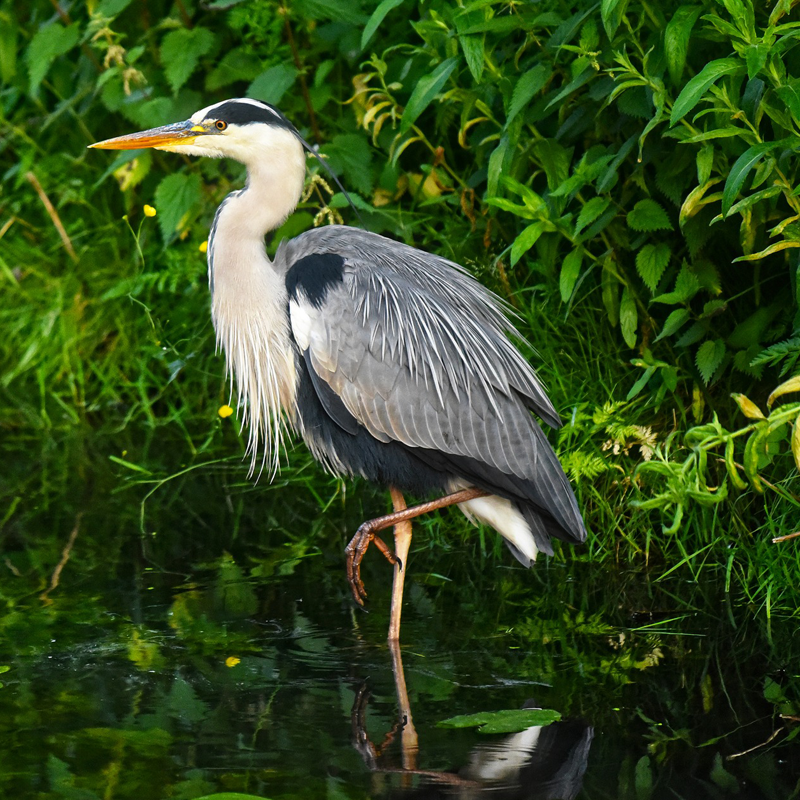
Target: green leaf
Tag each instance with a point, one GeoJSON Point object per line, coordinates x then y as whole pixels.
{"type": "Point", "coordinates": [174, 199]}
{"type": "Point", "coordinates": [687, 285]}
{"type": "Point", "coordinates": [509, 721]}
{"type": "Point", "coordinates": [350, 154]}
{"type": "Point", "coordinates": [527, 86]}
{"type": "Point", "coordinates": [790, 94]}
{"type": "Point", "coordinates": [709, 357]}
{"type": "Point", "coordinates": [46, 46]}
{"type": "Point", "coordinates": [378, 15]}
{"type": "Point", "coordinates": [496, 164]}
{"type": "Point", "coordinates": [554, 160]}
{"type": "Point", "coordinates": [756, 58]}
{"type": "Point", "coordinates": [676, 39]}
{"type": "Point", "coordinates": [628, 317]}
{"type": "Point", "coordinates": [692, 93]}
{"type": "Point", "coordinates": [181, 51]}
{"type": "Point", "coordinates": [426, 89]}
{"type": "Point", "coordinates": [651, 261]}
{"type": "Point", "coordinates": [525, 241]}
{"type": "Point", "coordinates": [570, 270]}
{"type": "Point", "coordinates": [271, 85]}
{"type": "Point", "coordinates": [237, 65]}
{"type": "Point", "coordinates": [705, 163]}
{"type": "Point", "coordinates": [590, 212]}
{"type": "Point", "coordinates": [740, 170]}
{"type": "Point", "coordinates": [610, 291]}
{"type": "Point", "coordinates": [473, 54]}
{"type": "Point", "coordinates": [232, 796]}
{"type": "Point", "coordinates": [648, 215]}
{"type": "Point", "coordinates": [643, 779]}
{"type": "Point", "coordinates": [773, 248]}
{"type": "Point", "coordinates": [675, 321]}
{"type": "Point", "coordinates": [611, 12]}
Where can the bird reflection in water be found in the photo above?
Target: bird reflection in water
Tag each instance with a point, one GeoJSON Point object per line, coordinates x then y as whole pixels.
{"type": "Point", "coordinates": [539, 763]}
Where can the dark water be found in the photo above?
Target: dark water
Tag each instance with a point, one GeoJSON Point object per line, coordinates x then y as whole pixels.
{"type": "Point", "coordinates": [219, 651]}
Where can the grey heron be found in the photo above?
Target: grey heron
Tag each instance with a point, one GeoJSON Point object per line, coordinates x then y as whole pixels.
{"type": "Point", "coordinates": [390, 362]}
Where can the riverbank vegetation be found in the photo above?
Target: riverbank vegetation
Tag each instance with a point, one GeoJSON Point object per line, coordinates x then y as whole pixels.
{"type": "Point", "coordinates": [624, 174]}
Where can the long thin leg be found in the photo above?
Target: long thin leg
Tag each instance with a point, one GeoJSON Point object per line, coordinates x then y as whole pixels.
{"type": "Point", "coordinates": [368, 530]}
{"type": "Point", "coordinates": [402, 544]}
{"type": "Point", "coordinates": [408, 733]}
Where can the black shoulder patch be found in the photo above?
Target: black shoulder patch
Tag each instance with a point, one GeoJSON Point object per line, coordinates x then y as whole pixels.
{"type": "Point", "coordinates": [315, 275]}
{"type": "Point", "coordinates": [240, 112]}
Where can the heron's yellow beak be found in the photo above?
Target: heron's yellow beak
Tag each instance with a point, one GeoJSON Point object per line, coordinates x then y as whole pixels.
{"type": "Point", "coordinates": [163, 137]}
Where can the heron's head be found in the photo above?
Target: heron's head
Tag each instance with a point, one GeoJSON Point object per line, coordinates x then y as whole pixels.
{"type": "Point", "coordinates": [246, 130]}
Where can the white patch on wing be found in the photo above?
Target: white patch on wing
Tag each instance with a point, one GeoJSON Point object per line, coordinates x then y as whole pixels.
{"type": "Point", "coordinates": [301, 325]}
{"type": "Point", "coordinates": [504, 517]}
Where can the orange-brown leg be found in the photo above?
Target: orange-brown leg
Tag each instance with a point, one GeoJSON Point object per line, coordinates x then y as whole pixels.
{"type": "Point", "coordinates": [368, 531]}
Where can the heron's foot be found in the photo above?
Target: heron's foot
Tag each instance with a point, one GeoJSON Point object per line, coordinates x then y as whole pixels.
{"type": "Point", "coordinates": [355, 551]}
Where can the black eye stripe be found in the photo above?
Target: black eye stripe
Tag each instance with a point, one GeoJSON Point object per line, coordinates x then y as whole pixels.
{"type": "Point", "coordinates": [239, 113]}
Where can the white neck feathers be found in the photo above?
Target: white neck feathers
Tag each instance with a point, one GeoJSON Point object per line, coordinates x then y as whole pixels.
{"type": "Point", "coordinates": [249, 302]}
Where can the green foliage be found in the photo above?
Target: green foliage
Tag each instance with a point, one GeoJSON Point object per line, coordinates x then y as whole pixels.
{"type": "Point", "coordinates": [506, 721]}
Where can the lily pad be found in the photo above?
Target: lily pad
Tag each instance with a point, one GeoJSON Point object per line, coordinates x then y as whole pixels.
{"type": "Point", "coordinates": [507, 721]}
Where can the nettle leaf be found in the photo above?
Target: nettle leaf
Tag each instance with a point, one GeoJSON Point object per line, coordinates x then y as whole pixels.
{"type": "Point", "coordinates": [181, 51]}
{"type": "Point", "coordinates": [687, 285]}
{"type": "Point", "coordinates": [693, 92]}
{"type": "Point", "coordinates": [628, 317]}
{"type": "Point", "coordinates": [350, 153]}
{"type": "Point", "coordinates": [590, 212]}
{"type": "Point", "coordinates": [426, 89]}
{"type": "Point", "coordinates": [709, 357]}
{"type": "Point", "coordinates": [527, 86]}
{"type": "Point", "coordinates": [648, 215]}
{"type": "Point", "coordinates": [676, 39]}
{"type": "Point", "coordinates": [651, 261]}
{"type": "Point", "coordinates": [271, 85]}
{"type": "Point", "coordinates": [510, 721]}
{"type": "Point", "coordinates": [46, 46]}
{"type": "Point", "coordinates": [570, 270]}
{"type": "Point", "coordinates": [675, 321]}
{"type": "Point", "coordinates": [174, 199]}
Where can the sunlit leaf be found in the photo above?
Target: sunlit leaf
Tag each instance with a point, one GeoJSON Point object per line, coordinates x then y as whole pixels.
{"type": "Point", "coordinates": [175, 196]}
{"type": "Point", "coordinates": [692, 93]}
{"type": "Point", "coordinates": [272, 84]}
{"type": "Point", "coordinates": [426, 89]}
{"type": "Point", "coordinates": [570, 270]}
{"type": "Point", "coordinates": [181, 51]}
{"type": "Point", "coordinates": [792, 385]}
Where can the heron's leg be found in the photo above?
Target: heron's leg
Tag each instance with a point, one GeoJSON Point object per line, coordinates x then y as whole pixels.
{"type": "Point", "coordinates": [402, 544]}
{"type": "Point", "coordinates": [368, 530]}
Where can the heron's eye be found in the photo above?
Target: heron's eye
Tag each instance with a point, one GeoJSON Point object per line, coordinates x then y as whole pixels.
{"type": "Point", "coordinates": [220, 125]}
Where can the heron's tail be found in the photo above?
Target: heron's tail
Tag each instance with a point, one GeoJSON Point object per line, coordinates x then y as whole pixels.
{"type": "Point", "coordinates": [526, 532]}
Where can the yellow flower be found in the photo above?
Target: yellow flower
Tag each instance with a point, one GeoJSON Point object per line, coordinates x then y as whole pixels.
{"type": "Point", "coordinates": [225, 411]}
{"type": "Point", "coordinates": [232, 661]}
{"type": "Point", "coordinates": [204, 247]}
{"type": "Point", "coordinates": [149, 211]}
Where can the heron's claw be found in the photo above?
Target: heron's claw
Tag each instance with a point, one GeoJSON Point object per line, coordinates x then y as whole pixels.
{"type": "Point", "coordinates": [355, 551]}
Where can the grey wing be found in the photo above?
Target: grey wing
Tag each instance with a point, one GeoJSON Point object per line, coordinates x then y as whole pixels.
{"type": "Point", "coordinates": [417, 351]}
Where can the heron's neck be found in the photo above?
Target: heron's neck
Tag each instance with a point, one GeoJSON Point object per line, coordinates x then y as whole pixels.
{"type": "Point", "coordinates": [249, 300]}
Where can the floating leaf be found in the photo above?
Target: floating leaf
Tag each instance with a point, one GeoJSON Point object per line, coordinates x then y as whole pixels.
{"type": "Point", "coordinates": [648, 215]}
{"type": "Point", "coordinates": [709, 357]}
{"type": "Point", "coordinates": [509, 721]}
{"type": "Point", "coordinates": [651, 261]}
{"type": "Point", "coordinates": [426, 89]}
{"type": "Point", "coordinates": [692, 93]}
